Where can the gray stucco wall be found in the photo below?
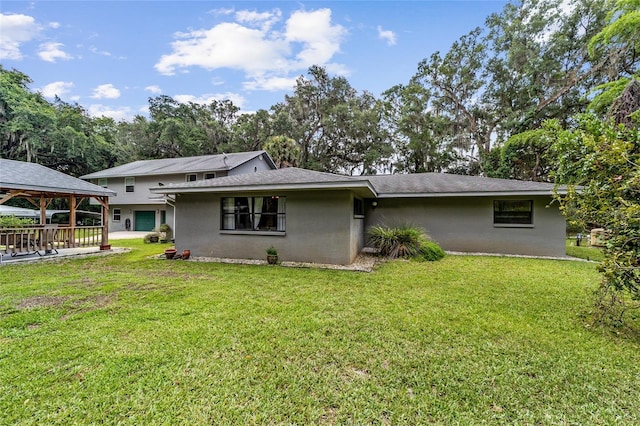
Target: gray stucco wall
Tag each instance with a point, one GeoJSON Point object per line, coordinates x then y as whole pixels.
{"type": "Point", "coordinates": [319, 228]}
{"type": "Point", "coordinates": [466, 224]}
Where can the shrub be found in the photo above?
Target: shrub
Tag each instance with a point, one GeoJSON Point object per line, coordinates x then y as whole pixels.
{"type": "Point", "coordinates": [166, 230]}
{"type": "Point", "coordinates": [397, 241]}
{"type": "Point", "coordinates": [431, 251]}
{"type": "Point", "coordinates": [12, 221]}
{"type": "Point", "coordinates": [152, 237]}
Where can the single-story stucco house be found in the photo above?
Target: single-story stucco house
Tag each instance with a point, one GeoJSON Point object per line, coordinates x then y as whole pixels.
{"type": "Point", "coordinates": [319, 217]}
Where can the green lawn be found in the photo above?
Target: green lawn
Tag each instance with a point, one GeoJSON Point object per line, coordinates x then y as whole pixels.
{"type": "Point", "coordinates": [584, 252]}
{"type": "Point", "coordinates": [125, 339]}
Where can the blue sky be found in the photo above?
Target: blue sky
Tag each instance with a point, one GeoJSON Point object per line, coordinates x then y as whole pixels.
{"type": "Point", "coordinates": [110, 57]}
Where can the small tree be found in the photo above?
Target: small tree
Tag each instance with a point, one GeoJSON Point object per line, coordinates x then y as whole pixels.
{"type": "Point", "coordinates": [283, 150]}
{"type": "Point", "coordinates": [600, 162]}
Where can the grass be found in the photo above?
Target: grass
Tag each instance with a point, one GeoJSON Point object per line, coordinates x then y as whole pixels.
{"type": "Point", "coordinates": [584, 252]}
{"type": "Point", "coordinates": [133, 340]}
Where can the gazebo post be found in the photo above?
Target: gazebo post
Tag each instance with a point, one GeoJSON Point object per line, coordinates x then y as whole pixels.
{"type": "Point", "coordinates": [43, 210]}
{"type": "Point", "coordinates": [104, 202]}
{"type": "Point", "coordinates": [72, 218]}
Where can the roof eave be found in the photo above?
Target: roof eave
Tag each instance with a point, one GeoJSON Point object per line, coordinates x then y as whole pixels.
{"type": "Point", "coordinates": [37, 188]}
{"type": "Point", "coordinates": [466, 194]}
{"type": "Point", "coordinates": [363, 187]}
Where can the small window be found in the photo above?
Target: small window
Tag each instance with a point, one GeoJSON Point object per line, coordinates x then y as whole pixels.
{"type": "Point", "coordinates": [358, 207]}
{"type": "Point", "coordinates": [116, 215]}
{"type": "Point", "coordinates": [211, 175]}
{"type": "Point", "coordinates": [513, 212]}
{"type": "Point", "coordinates": [192, 177]}
{"type": "Point", "coordinates": [129, 183]}
{"type": "Point", "coordinates": [102, 182]}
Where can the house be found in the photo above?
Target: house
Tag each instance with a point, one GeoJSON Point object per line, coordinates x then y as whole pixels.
{"type": "Point", "coordinates": [136, 208]}
{"type": "Point", "coordinates": [322, 217]}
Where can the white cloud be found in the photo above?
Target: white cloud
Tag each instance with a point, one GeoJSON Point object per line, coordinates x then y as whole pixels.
{"type": "Point", "coordinates": [237, 99]}
{"type": "Point", "coordinates": [54, 25]}
{"type": "Point", "coordinates": [57, 88]}
{"type": "Point", "coordinates": [271, 84]}
{"type": "Point", "coordinates": [320, 39]}
{"type": "Point", "coordinates": [268, 53]}
{"type": "Point", "coordinates": [51, 51]}
{"type": "Point", "coordinates": [389, 36]}
{"type": "Point", "coordinates": [106, 91]}
{"type": "Point", "coordinates": [227, 45]}
{"type": "Point", "coordinates": [156, 90]}
{"type": "Point", "coordinates": [117, 113]}
{"type": "Point", "coordinates": [95, 50]}
{"type": "Point", "coordinates": [16, 30]}
{"type": "Point", "coordinates": [222, 11]}
{"type": "Point", "coordinates": [263, 20]}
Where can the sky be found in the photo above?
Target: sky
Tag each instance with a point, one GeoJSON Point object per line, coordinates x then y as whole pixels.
{"type": "Point", "coordinates": [112, 56]}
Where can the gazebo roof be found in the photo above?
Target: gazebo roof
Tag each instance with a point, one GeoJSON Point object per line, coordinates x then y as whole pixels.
{"type": "Point", "coordinates": [34, 179]}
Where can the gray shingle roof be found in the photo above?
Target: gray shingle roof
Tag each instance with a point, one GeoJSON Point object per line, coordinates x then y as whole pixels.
{"type": "Point", "coordinates": [438, 184]}
{"type": "Point", "coordinates": [164, 166]}
{"type": "Point", "coordinates": [287, 178]}
{"type": "Point", "coordinates": [383, 186]}
{"type": "Point", "coordinates": [34, 177]}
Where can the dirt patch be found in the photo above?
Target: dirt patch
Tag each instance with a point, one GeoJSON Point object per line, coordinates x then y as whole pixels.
{"type": "Point", "coordinates": [90, 303]}
{"type": "Point", "coordinates": [42, 302]}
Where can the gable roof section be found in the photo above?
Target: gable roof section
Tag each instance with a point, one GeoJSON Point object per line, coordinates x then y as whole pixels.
{"type": "Point", "coordinates": [19, 175]}
{"type": "Point", "coordinates": [290, 178]}
{"type": "Point", "coordinates": [164, 166]}
{"type": "Point", "coordinates": [447, 185]}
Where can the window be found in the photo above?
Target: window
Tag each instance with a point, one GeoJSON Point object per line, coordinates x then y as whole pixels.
{"type": "Point", "coordinates": [192, 177]}
{"type": "Point", "coordinates": [513, 212]}
{"type": "Point", "coordinates": [209, 175]}
{"type": "Point", "coordinates": [102, 182]}
{"type": "Point", "coordinates": [129, 182]}
{"type": "Point", "coordinates": [253, 213]}
{"type": "Point", "coordinates": [116, 215]}
{"type": "Point", "coordinates": [358, 207]}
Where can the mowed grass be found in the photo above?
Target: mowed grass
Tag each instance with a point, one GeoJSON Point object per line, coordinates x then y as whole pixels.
{"type": "Point", "coordinates": [125, 339]}
{"type": "Point", "coordinates": [595, 254]}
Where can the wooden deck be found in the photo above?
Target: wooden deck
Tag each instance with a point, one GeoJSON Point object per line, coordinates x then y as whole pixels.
{"type": "Point", "coordinates": [44, 238]}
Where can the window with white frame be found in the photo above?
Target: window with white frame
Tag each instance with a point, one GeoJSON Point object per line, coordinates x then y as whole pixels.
{"type": "Point", "coordinates": [129, 183]}
{"type": "Point", "coordinates": [116, 215]}
{"type": "Point", "coordinates": [191, 177]}
{"type": "Point", "coordinates": [102, 182]}
{"type": "Point", "coordinates": [210, 175]}
{"type": "Point", "coordinates": [254, 213]}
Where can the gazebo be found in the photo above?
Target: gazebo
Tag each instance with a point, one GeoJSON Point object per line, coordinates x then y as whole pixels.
{"type": "Point", "coordinates": [40, 185]}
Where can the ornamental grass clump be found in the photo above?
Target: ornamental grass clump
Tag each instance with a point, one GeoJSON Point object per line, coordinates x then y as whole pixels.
{"type": "Point", "coordinates": [404, 241]}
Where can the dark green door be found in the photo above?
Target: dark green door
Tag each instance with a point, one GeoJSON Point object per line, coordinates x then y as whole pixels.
{"type": "Point", "coordinates": [145, 220]}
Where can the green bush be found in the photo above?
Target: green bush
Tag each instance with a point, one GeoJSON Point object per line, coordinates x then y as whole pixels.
{"type": "Point", "coordinates": [404, 241]}
{"type": "Point", "coordinates": [431, 251]}
{"type": "Point", "coordinates": [12, 221]}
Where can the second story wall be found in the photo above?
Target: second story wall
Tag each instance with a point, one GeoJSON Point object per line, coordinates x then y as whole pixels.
{"type": "Point", "coordinates": [257, 164]}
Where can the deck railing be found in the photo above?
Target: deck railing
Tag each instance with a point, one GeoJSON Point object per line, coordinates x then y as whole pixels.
{"type": "Point", "coordinates": [40, 238]}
